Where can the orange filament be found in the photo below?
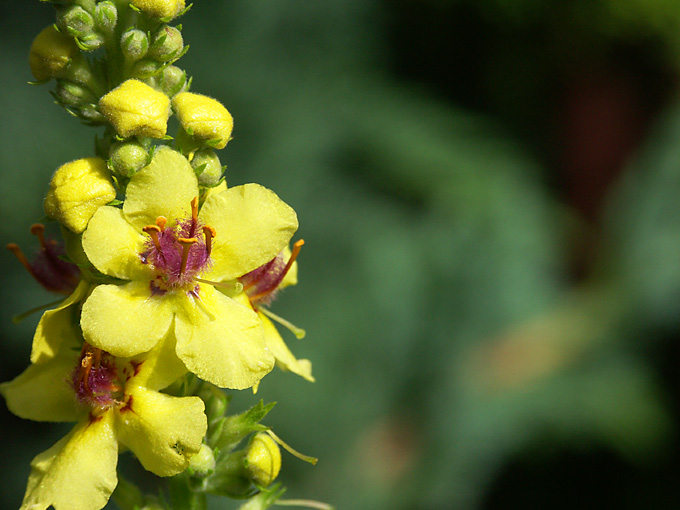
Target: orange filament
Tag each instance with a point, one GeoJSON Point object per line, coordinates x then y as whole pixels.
{"type": "Point", "coordinates": [186, 246]}
{"type": "Point", "coordinates": [90, 357]}
{"type": "Point", "coordinates": [210, 233]}
{"type": "Point", "coordinates": [38, 229]}
{"type": "Point", "coordinates": [161, 221]}
{"type": "Point", "coordinates": [14, 248]}
{"type": "Point", "coordinates": [194, 210]}
{"type": "Point", "coordinates": [153, 231]}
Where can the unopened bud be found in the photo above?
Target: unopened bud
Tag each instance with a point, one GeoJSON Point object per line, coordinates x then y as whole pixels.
{"type": "Point", "coordinates": [134, 44]}
{"type": "Point", "coordinates": [208, 168]}
{"type": "Point", "coordinates": [76, 21]}
{"type": "Point", "coordinates": [173, 80]}
{"type": "Point", "coordinates": [167, 44]}
{"type": "Point", "coordinates": [146, 68]}
{"type": "Point", "coordinates": [77, 190]}
{"type": "Point", "coordinates": [51, 53]}
{"type": "Point", "coordinates": [203, 463]}
{"type": "Point", "coordinates": [161, 9]}
{"type": "Point", "coordinates": [128, 158]}
{"type": "Point", "coordinates": [263, 459]}
{"type": "Point", "coordinates": [136, 109]}
{"type": "Point", "coordinates": [73, 95]}
{"type": "Point", "coordinates": [203, 118]}
{"type": "Point", "coordinates": [106, 16]}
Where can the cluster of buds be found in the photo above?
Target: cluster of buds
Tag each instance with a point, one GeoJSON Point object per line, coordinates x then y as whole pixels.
{"type": "Point", "coordinates": [168, 273]}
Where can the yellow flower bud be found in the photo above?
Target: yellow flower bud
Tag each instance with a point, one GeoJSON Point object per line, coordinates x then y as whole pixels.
{"type": "Point", "coordinates": [204, 118]}
{"type": "Point", "coordinates": [51, 53]}
{"type": "Point", "coordinates": [263, 459]}
{"type": "Point", "coordinates": [77, 190]}
{"type": "Point", "coordinates": [164, 9]}
{"type": "Point", "coordinates": [136, 109]}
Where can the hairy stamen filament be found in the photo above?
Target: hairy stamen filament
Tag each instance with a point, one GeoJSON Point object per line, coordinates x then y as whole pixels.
{"type": "Point", "coordinates": [38, 230]}
{"type": "Point", "coordinates": [293, 255]}
{"type": "Point", "coordinates": [14, 248]}
{"type": "Point", "coordinates": [186, 246]}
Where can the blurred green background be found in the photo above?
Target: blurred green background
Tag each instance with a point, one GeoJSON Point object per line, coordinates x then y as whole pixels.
{"type": "Point", "coordinates": [488, 191]}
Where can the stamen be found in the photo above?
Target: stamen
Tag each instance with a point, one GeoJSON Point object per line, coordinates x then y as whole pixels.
{"type": "Point", "coordinates": [186, 246]}
{"type": "Point", "coordinates": [161, 221]}
{"type": "Point", "coordinates": [298, 332]}
{"type": "Point", "coordinates": [38, 229]}
{"type": "Point", "coordinates": [210, 233]}
{"type": "Point", "coordinates": [153, 231]}
{"type": "Point", "coordinates": [194, 210]}
{"type": "Point", "coordinates": [293, 255]}
{"type": "Point", "coordinates": [14, 248]}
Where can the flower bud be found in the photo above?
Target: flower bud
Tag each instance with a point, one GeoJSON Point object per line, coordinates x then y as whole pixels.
{"type": "Point", "coordinates": [263, 459]}
{"type": "Point", "coordinates": [128, 158]}
{"type": "Point", "coordinates": [203, 463]}
{"type": "Point", "coordinates": [75, 20]}
{"type": "Point", "coordinates": [167, 44]}
{"type": "Point", "coordinates": [51, 53]}
{"type": "Point", "coordinates": [136, 109]}
{"type": "Point", "coordinates": [162, 9]}
{"type": "Point", "coordinates": [105, 16]}
{"type": "Point", "coordinates": [208, 168]}
{"type": "Point", "coordinates": [77, 190]}
{"type": "Point", "coordinates": [134, 44]}
{"type": "Point", "coordinates": [73, 95]}
{"type": "Point", "coordinates": [203, 118]}
{"type": "Point", "coordinates": [173, 80]}
{"type": "Point", "coordinates": [145, 68]}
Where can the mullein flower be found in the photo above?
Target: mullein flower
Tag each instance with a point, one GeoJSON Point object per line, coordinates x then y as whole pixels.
{"type": "Point", "coordinates": [116, 403]}
{"type": "Point", "coordinates": [136, 109]}
{"type": "Point", "coordinates": [172, 255]}
{"type": "Point", "coordinates": [77, 190]}
{"type": "Point", "coordinates": [261, 287]}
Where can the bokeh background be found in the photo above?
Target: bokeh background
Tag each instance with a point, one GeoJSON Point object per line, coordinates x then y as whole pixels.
{"type": "Point", "coordinates": [489, 194]}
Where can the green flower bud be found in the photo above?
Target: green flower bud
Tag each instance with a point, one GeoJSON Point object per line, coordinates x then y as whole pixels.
{"type": "Point", "coordinates": [128, 158]}
{"type": "Point", "coordinates": [173, 80]}
{"type": "Point", "coordinates": [106, 16]}
{"type": "Point", "coordinates": [203, 463]}
{"type": "Point", "coordinates": [73, 95]}
{"type": "Point", "coordinates": [51, 54]}
{"type": "Point", "coordinates": [90, 113]}
{"type": "Point", "coordinates": [76, 21]}
{"type": "Point", "coordinates": [208, 168]}
{"type": "Point", "coordinates": [134, 44]}
{"type": "Point", "coordinates": [263, 459]}
{"type": "Point", "coordinates": [167, 44]}
{"type": "Point", "coordinates": [91, 42]}
{"type": "Point", "coordinates": [145, 68]}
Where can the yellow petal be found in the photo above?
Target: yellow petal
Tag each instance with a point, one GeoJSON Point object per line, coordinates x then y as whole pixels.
{"type": "Point", "coordinates": [126, 320]}
{"type": "Point", "coordinates": [253, 225]}
{"type": "Point", "coordinates": [222, 341]}
{"type": "Point", "coordinates": [163, 188]}
{"type": "Point", "coordinates": [160, 367]}
{"type": "Point", "coordinates": [42, 392]}
{"type": "Point", "coordinates": [55, 325]}
{"type": "Point", "coordinates": [78, 472]}
{"type": "Point", "coordinates": [162, 431]}
{"type": "Point", "coordinates": [114, 246]}
{"type": "Point", "coordinates": [284, 358]}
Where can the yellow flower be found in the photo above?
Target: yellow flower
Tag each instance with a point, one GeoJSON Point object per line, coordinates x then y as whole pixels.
{"type": "Point", "coordinates": [77, 190]}
{"type": "Point", "coordinates": [260, 288]}
{"type": "Point", "coordinates": [204, 118]}
{"type": "Point", "coordinates": [171, 256]}
{"type": "Point", "coordinates": [114, 402]}
{"type": "Point", "coordinates": [51, 53]}
{"type": "Point", "coordinates": [165, 9]}
{"type": "Point", "coordinates": [136, 109]}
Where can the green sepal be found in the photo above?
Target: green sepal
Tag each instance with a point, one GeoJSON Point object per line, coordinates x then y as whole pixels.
{"type": "Point", "coordinates": [237, 427]}
{"type": "Point", "coordinates": [229, 478]}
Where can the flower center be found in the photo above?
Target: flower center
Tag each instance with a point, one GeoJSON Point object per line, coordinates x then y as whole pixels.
{"type": "Point", "coordinates": [262, 284]}
{"type": "Point", "coordinates": [179, 253]}
{"type": "Point", "coordinates": [95, 379]}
